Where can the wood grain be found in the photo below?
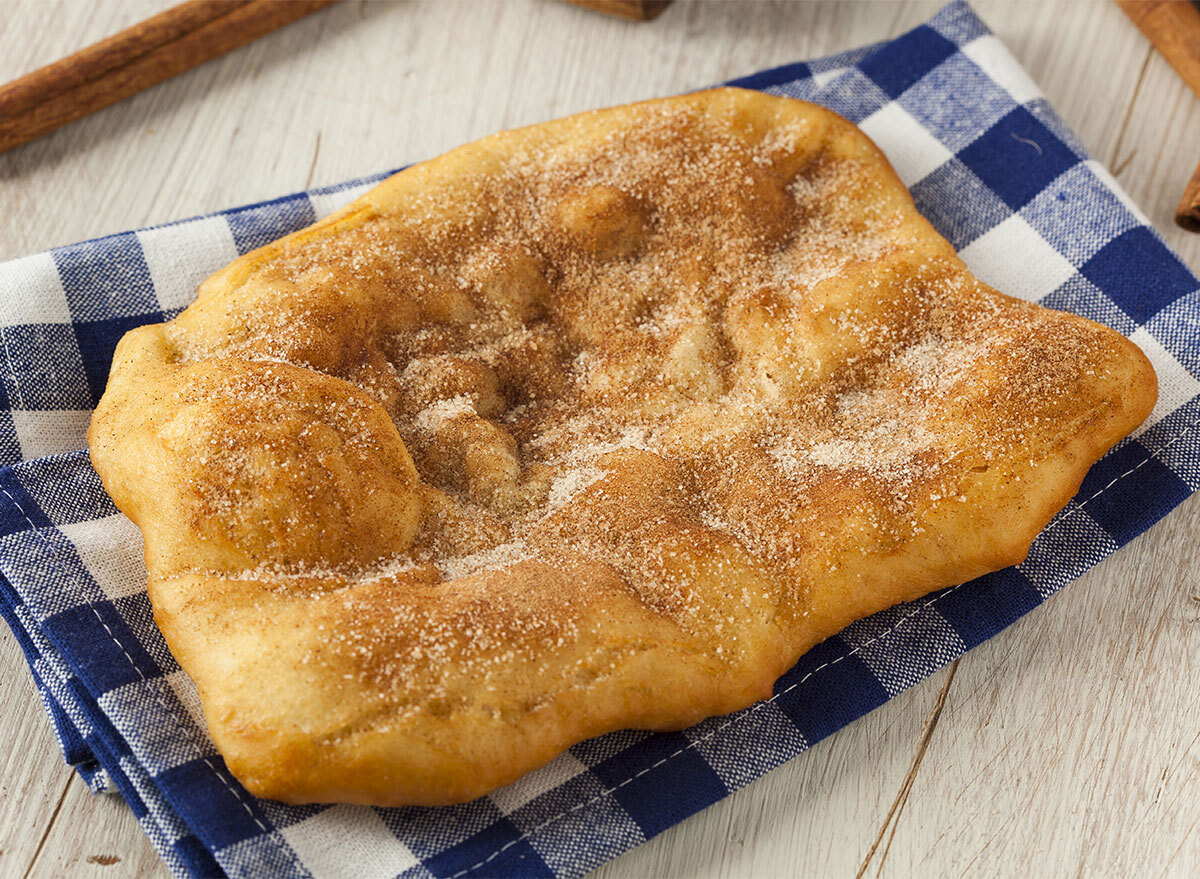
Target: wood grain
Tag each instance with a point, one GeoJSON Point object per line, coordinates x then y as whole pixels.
{"type": "Point", "coordinates": [33, 777]}
{"type": "Point", "coordinates": [128, 62]}
{"type": "Point", "coordinates": [1067, 744]}
{"type": "Point", "coordinates": [91, 839]}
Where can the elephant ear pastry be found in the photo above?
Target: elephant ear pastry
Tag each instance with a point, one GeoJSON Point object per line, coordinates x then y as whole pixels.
{"type": "Point", "coordinates": [596, 424]}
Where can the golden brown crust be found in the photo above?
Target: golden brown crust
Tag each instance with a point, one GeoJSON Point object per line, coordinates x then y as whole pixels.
{"type": "Point", "coordinates": [596, 424]}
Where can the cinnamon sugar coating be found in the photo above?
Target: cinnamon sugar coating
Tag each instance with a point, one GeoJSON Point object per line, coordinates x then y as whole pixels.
{"type": "Point", "coordinates": [600, 423]}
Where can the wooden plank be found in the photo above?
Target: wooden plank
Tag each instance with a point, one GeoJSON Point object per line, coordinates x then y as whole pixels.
{"type": "Point", "coordinates": [33, 776]}
{"type": "Point", "coordinates": [814, 816]}
{"type": "Point", "coordinates": [1075, 746]}
{"type": "Point", "coordinates": [34, 781]}
{"type": "Point", "coordinates": [1039, 702]}
{"type": "Point", "coordinates": [96, 837]}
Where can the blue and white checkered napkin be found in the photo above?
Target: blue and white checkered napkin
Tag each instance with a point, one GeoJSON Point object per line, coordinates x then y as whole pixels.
{"type": "Point", "coordinates": [987, 160]}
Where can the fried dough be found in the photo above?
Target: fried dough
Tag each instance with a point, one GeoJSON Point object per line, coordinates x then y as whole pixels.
{"type": "Point", "coordinates": [595, 424]}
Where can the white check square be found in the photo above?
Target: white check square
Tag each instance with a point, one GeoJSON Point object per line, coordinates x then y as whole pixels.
{"type": "Point", "coordinates": [532, 785]}
{"type": "Point", "coordinates": [31, 292]}
{"type": "Point", "coordinates": [1016, 260]}
{"type": "Point", "coordinates": [1176, 385]}
{"type": "Point", "coordinates": [1111, 183]}
{"type": "Point", "coordinates": [993, 58]}
{"type": "Point", "coordinates": [111, 550]}
{"type": "Point", "coordinates": [326, 203]}
{"type": "Point", "coordinates": [912, 150]}
{"type": "Point", "coordinates": [822, 78]}
{"type": "Point", "coordinates": [182, 255]}
{"type": "Point", "coordinates": [185, 691]}
{"type": "Point", "coordinates": [349, 837]}
{"type": "Point", "coordinates": [44, 432]}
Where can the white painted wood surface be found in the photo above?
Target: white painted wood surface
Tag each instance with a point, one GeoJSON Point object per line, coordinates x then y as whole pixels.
{"type": "Point", "coordinates": [1067, 746]}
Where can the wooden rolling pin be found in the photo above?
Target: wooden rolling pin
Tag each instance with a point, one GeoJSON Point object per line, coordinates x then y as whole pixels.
{"type": "Point", "coordinates": [176, 40]}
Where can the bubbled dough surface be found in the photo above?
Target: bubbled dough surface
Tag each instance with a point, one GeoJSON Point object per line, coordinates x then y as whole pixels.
{"type": "Point", "coordinates": [596, 424]}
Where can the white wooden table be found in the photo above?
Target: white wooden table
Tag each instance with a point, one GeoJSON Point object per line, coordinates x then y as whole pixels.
{"type": "Point", "coordinates": [1069, 745]}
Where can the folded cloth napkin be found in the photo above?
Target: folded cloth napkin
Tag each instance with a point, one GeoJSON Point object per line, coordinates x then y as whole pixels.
{"type": "Point", "coordinates": [989, 163]}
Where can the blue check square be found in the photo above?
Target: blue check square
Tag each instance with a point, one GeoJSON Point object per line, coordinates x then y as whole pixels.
{"type": "Point", "coordinates": [114, 662]}
{"type": "Point", "coordinates": [975, 609]}
{"type": "Point", "coordinates": [1139, 273]}
{"type": "Point", "coordinates": [97, 340]}
{"type": "Point", "coordinates": [922, 49]}
{"type": "Point", "coordinates": [955, 99]}
{"type": "Point", "coordinates": [235, 816]}
{"type": "Point", "coordinates": [513, 855]}
{"type": "Point", "coordinates": [260, 224]}
{"type": "Point", "coordinates": [1111, 498]}
{"type": "Point", "coordinates": [811, 692]}
{"type": "Point", "coordinates": [661, 782]}
{"type": "Point", "coordinates": [1018, 157]}
{"type": "Point", "coordinates": [106, 278]}
{"type": "Point", "coordinates": [43, 368]}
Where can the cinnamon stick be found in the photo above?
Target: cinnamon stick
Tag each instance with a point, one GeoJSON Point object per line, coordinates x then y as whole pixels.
{"type": "Point", "coordinates": [1174, 29]}
{"type": "Point", "coordinates": [176, 40]}
{"type": "Point", "coordinates": [638, 10]}
{"type": "Point", "coordinates": [1187, 214]}
{"type": "Point", "coordinates": [1173, 26]}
